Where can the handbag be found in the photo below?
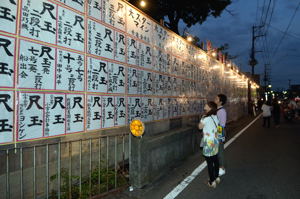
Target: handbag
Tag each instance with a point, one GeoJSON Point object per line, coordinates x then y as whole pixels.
{"type": "Point", "coordinates": [220, 131]}
{"type": "Point", "coordinates": [202, 142]}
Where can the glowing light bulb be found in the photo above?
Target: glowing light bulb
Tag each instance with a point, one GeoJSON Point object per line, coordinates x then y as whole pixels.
{"type": "Point", "coordinates": [143, 3]}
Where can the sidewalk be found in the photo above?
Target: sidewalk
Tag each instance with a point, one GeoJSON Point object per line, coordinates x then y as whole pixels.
{"type": "Point", "coordinates": [171, 179]}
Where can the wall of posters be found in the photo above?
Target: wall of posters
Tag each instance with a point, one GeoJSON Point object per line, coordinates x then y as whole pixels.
{"type": "Point", "coordinates": [76, 66]}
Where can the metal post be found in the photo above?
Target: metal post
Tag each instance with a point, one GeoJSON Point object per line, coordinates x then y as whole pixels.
{"type": "Point", "coordinates": [47, 171]}
{"type": "Point", "coordinates": [70, 169]}
{"type": "Point", "coordinates": [123, 151]}
{"type": "Point", "coordinates": [116, 146]}
{"type": "Point", "coordinates": [107, 146]}
{"type": "Point", "coordinates": [21, 170]}
{"type": "Point", "coordinates": [7, 175]}
{"type": "Point", "coordinates": [34, 173]}
{"type": "Point", "coordinates": [99, 164]}
{"type": "Point", "coordinates": [80, 166]}
{"type": "Point", "coordinates": [90, 168]}
{"type": "Point", "coordinates": [58, 171]}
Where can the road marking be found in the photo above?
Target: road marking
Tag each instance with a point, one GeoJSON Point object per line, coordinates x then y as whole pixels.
{"type": "Point", "coordinates": [179, 188]}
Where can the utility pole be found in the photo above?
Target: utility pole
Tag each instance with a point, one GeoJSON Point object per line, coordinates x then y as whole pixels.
{"type": "Point", "coordinates": [252, 63]}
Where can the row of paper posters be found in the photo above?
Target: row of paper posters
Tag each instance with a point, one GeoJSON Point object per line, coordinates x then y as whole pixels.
{"type": "Point", "coordinates": [69, 66]}
{"type": "Point", "coordinates": [50, 114]}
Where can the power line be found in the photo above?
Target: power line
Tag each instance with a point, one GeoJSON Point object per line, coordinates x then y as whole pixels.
{"type": "Point", "coordinates": [287, 28]}
{"type": "Point", "coordinates": [287, 34]}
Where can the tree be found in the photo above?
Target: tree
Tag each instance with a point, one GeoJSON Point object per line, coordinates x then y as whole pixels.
{"type": "Point", "coordinates": [224, 49]}
{"type": "Point", "coordinates": [190, 11]}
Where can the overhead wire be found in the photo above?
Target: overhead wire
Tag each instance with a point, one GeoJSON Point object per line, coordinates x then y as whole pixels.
{"type": "Point", "coordinates": [286, 30]}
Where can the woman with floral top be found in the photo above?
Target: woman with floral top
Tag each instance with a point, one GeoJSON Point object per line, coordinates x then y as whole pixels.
{"type": "Point", "coordinates": [209, 124]}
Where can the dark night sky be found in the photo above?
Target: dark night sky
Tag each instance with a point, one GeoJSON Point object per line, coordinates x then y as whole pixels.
{"type": "Point", "coordinates": [237, 32]}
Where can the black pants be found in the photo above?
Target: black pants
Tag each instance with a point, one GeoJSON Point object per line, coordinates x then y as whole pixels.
{"type": "Point", "coordinates": [213, 167]}
{"type": "Point", "coordinates": [266, 120]}
{"type": "Point", "coordinates": [276, 119]}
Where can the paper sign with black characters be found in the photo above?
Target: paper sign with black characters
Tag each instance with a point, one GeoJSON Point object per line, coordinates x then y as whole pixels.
{"type": "Point", "coordinates": [38, 20]}
{"type": "Point", "coordinates": [94, 112]}
{"type": "Point", "coordinates": [8, 15]}
{"type": "Point", "coordinates": [30, 116]}
{"type": "Point", "coordinates": [7, 49]}
{"type": "Point", "coordinates": [75, 113]}
{"type": "Point", "coordinates": [36, 66]}
{"type": "Point", "coordinates": [6, 116]}
{"type": "Point", "coordinates": [70, 29]}
{"type": "Point", "coordinates": [69, 71]}
{"type": "Point", "coordinates": [55, 114]}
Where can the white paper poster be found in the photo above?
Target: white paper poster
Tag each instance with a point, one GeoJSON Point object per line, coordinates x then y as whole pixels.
{"type": "Point", "coordinates": [70, 29]}
{"type": "Point", "coordinates": [120, 43]}
{"type": "Point", "coordinates": [100, 40]}
{"type": "Point", "coordinates": [97, 75]}
{"type": "Point", "coordinates": [36, 66]}
{"type": "Point", "coordinates": [114, 13]}
{"type": "Point", "coordinates": [7, 70]}
{"type": "Point", "coordinates": [55, 114]}
{"type": "Point", "coordinates": [75, 113]}
{"type": "Point", "coordinates": [134, 108]}
{"type": "Point", "coordinates": [94, 9]}
{"type": "Point", "coordinates": [108, 111]}
{"type": "Point", "coordinates": [6, 116]}
{"type": "Point", "coordinates": [139, 25]}
{"type": "Point", "coordinates": [94, 112]}
{"type": "Point", "coordinates": [30, 116]}
{"type": "Point", "coordinates": [38, 20]}
{"type": "Point", "coordinates": [69, 71]}
{"type": "Point", "coordinates": [8, 15]}
{"type": "Point", "coordinates": [76, 4]}
{"type": "Point", "coordinates": [121, 111]}
{"type": "Point", "coordinates": [116, 78]}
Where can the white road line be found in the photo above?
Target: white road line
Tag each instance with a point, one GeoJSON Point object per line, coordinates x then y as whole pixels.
{"type": "Point", "coordinates": [179, 188]}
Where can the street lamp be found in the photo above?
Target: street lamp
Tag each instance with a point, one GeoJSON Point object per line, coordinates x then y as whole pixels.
{"type": "Point", "coordinates": [143, 3]}
{"type": "Point", "coordinates": [270, 86]}
{"type": "Point", "coordinates": [189, 39]}
{"type": "Point", "coordinates": [214, 54]}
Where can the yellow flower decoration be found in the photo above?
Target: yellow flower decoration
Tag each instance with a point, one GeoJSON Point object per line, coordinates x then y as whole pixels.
{"type": "Point", "coordinates": [137, 127]}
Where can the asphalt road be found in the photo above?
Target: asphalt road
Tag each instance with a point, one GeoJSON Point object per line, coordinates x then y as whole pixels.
{"type": "Point", "coordinates": [262, 163]}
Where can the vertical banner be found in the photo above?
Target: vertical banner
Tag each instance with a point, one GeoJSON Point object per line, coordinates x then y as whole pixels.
{"type": "Point", "coordinates": [116, 78]}
{"type": "Point", "coordinates": [75, 113]}
{"type": "Point", "coordinates": [70, 29]}
{"type": "Point", "coordinates": [134, 108]}
{"type": "Point", "coordinates": [70, 71]}
{"type": "Point", "coordinates": [7, 63]}
{"type": "Point", "coordinates": [114, 13]}
{"type": "Point", "coordinates": [121, 111]}
{"type": "Point", "coordinates": [108, 111]}
{"type": "Point", "coordinates": [6, 116]}
{"type": "Point", "coordinates": [94, 112]}
{"type": "Point", "coordinates": [55, 114]}
{"type": "Point", "coordinates": [97, 77]}
{"type": "Point", "coordinates": [30, 116]}
{"type": "Point", "coordinates": [36, 66]}
{"type": "Point", "coordinates": [139, 25]}
{"type": "Point", "coordinates": [38, 20]}
{"type": "Point", "coordinates": [8, 16]}
{"type": "Point", "coordinates": [100, 40]}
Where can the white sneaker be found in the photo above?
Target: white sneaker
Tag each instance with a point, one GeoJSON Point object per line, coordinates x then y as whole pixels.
{"type": "Point", "coordinates": [221, 172]}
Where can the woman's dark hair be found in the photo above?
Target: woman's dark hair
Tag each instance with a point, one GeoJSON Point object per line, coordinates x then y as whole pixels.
{"type": "Point", "coordinates": [213, 108]}
{"type": "Point", "coordinates": [222, 98]}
